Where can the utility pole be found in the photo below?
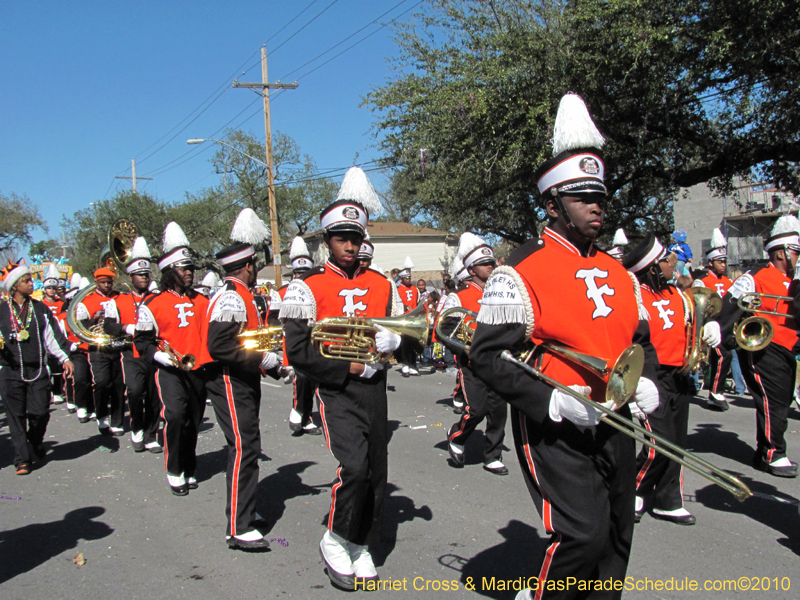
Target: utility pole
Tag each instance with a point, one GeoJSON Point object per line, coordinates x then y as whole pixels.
{"type": "Point", "coordinates": [273, 213]}
{"type": "Point", "coordinates": [133, 173]}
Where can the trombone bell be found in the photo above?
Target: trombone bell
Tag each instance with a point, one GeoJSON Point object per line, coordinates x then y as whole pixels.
{"type": "Point", "coordinates": [754, 333]}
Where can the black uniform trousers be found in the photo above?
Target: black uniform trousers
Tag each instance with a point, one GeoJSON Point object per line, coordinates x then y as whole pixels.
{"type": "Point", "coordinates": [720, 367]}
{"type": "Point", "coordinates": [143, 403]}
{"type": "Point", "coordinates": [770, 376]}
{"type": "Point", "coordinates": [27, 407]}
{"type": "Point", "coordinates": [458, 391]}
{"type": "Point", "coordinates": [56, 375]}
{"type": "Point", "coordinates": [236, 401]}
{"type": "Point", "coordinates": [183, 402]}
{"type": "Point", "coordinates": [407, 353]}
{"type": "Point", "coordinates": [79, 386]}
{"type": "Point", "coordinates": [303, 401]}
{"type": "Point", "coordinates": [107, 386]}
{"type": "Point", "coordinates": [582, 485]}
{"type": "Point", "coordinates": [480, 403]}
{"type": "Point", "coordinates": [355, 424]}
{"type": "Point", "coordinates": [657, 475]}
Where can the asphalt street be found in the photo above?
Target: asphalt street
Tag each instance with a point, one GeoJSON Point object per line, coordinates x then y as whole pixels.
{"type": "Point", "coordinates": [95, 497]}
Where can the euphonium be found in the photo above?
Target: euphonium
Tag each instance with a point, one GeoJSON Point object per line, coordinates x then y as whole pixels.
{"type": "Point", "coordinates": [353, 338]}
{"type": "Point", "coordinates": [263, 339]}
{"type": "Point", "coordinates": [755, 333]}
{"type": "Point", "coordinates": [185, 362]}
{"type": "Point", "coordinates": [462, 331]}
{"type": "Point", "coordinates": [114, 256]}
{"type": "Point", "coordinates": [704, 304]}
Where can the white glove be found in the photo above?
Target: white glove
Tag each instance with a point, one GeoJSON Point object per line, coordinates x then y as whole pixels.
{"type": "Point", "coordinates": [163, 358]}
{"type": "Point", "coordinates": [370, 370]}
{"type": "Point", "coordinates": [270, 361]}
{"type": "Point", "coordinates": [636, 412]}
{"type": "Point", "coordinates": [287, 373]}
{"type": "Point", "coordinates": [562, 405]}
{"type": "Point", "coordinates": [646, 396]}
{"type": "Point", "coordinates": [130, 329]}
{"type": "Point", "coordinates": [73, 347]}
{"type": "Point", "coordinates": [711, 334]}
{"type": "Point", "coordinates": [386, 341]}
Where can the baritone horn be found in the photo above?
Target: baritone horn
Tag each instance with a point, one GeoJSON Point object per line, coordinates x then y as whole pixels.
{"type": "Point", "coordinates": [353, 338]}
{"type": "Point", "coordinates": [263, 339]}
{"type": "Point", "coordinates": [691, 461]}
{"type": "Point", "coordinates": [704, 304]}
{"type": "Point", "coordinates": [755, 333]}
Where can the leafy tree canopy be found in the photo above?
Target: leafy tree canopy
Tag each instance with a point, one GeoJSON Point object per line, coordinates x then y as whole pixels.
{"type": "Point", "coordinates": [18, 218]}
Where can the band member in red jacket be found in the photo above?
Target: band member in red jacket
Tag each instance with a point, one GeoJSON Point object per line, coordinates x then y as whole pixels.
{"type": "Point", "coordinates": [56, 305]}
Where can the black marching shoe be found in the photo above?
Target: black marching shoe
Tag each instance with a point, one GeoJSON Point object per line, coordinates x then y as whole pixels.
{"type": "Point", "coordinates": [252, 541]}
{"type": "Point", "coordinates": [496, 468]}
{"type": "Point", "coordinates": [777, 470]}
{"type": "Point", "coordinates": [180, 490]}
{"type": "Point", "coordinates": [683, 517]}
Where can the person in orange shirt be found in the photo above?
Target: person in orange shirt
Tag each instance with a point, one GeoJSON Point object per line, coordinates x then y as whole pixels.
{"type": "Point", "coordinates": [770, 373]}
{"type": "Point", "coordinates": [56, 305]}
{"type": "Point", "coordinates": [409, 296]}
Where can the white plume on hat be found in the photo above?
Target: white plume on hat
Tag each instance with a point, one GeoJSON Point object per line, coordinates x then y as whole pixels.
{"type": "Point", "coordinates": [408, 263]}
{"type": "Point", "coordinates": [574, 127]}
{"type": "Point", "coordinates": [52, 272]}
{"type": "Point", "coordinates": [786, 224]}
{"type": "Point", "coordinates": [140, 249]}
{"type": "Point", "coordinates": [366, 236]}
{"type": "Point", "coordinates": [619, 238]}
{"type": "Point", "coordinates": [249, 228]}
{"type": "Point", "coordinates": [174, 237]}
{"type": "Point", "coordinates": [468, 243]}
{"type": "Point", "coordinates": [84, 283]}
{"type": "Point", "coordinates": [153, 286]}
{"type": "Point", "coordinates": [718, 240]}
{"type": "Point", "coordinates": [74, 281]}
{"type": "Point", "coordinates": [357, 186]}
{"type": "Point", "coordinates": [298, 248]}
{"type": "Point", "coordinates": [458, 267]}
{"type": "Point", "coordinates": [210, 280]}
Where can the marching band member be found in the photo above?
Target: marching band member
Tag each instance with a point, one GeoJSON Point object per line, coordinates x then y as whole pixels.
{"type": "Point", "coordinates": [176, 316]}
{"type": "Point", "coordinates": [234, 379]}
{"type": "Point", "coordinates": [79, 386]}
{"type": "Point", "coordinates": [561, 289]}
{"type": "Point", "coordinates": [461, 278]}
{"type": "Point", "coordinates": [104, 362]}
{"type": "Point", "coordinates": [56, 305]}
{"type": "Point", "coordinates": [300, 419]}
{"type": "Point", "coordinates": [409, 295]}
{"type": "Point", "coordinates": [618, 245]}
{"type": "Point", "coordinates": [479, 262]}
{"type": "Point", "coordinates": [29, 333]}
{"type": "Point", "coordinates": [208, 286]}
{"type": "Point", "coordinates": [769, 373]}
{"type": "Point", "coordinates": [720, 358]}
{"type": "Point", "coordinates": [138, 373]}
{"type": "Point", "coordinates": [61, 319]}
{"type": "Point", "coordinates": [659, 478]}
{"type": "Point", "coordinates": [352, 395]}
{"type": "Point", "coordinates": [366, 253]}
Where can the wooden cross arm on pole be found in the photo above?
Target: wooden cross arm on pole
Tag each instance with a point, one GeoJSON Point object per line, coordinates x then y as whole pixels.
{"type": "Point", "coordinates": [270, 86]}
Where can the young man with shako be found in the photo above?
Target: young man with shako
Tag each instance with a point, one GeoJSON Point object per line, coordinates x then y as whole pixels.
{"type": "Point", "coordinates": [659, 480]}
{"type": "Point", "coordinates": [559, 288]}
{"type": "Point", "coordinates": [234, 379]}
{"type": "Point", "coordinates": [300, 418]}
{"type": "Point", "coordinates": [481, 403]}
{"type": "Point", "coordinates": [409, 296]}
{"type": "Point", "coordinates": [351, 395]}
{"type": "Point", "coordinates": [104, 362]}
{"type": "Point", "coordinates": [769, 373]}
{"type": "Point", "coordinates": [178, 317]}
{"type": "Point", "coordinates": [138, 374]}
{"type": "Point", "coordinates": [720, 358]}
{"type": "Point", "coordinates": [56, 305]}
{"type": "Point", "coordinates": [29, 334]}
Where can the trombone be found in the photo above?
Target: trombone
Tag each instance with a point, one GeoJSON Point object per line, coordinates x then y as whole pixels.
{"type": "Point", "coordinates": [755, 333]}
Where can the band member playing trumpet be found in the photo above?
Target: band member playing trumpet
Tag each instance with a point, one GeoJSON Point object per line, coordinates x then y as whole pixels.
{"type": "Point", "coordinates": [352, 395]}
{"type": "Point", "coordinates": [234, 379]}
{"type": "Point", "coordinates": [481, 403]}
{"type": "Point", "coordinates": [769, 373]}
{"type": "Point", "coordinates": [176, 316]}
{"type": "Point", "coordinates": [138, 373]}
{"type": "Point", "coordinates": [560, 289]}
{"type": "Point", "coordinates": [29, 335]}
{"type": "Point", "coordinates": [659, 479]}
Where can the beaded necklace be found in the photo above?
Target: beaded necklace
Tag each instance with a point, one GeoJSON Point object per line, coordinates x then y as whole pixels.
{"type": "Point", "coordinates": [20, 329]}
{"type": "Point", "coordinates": [20, 338]}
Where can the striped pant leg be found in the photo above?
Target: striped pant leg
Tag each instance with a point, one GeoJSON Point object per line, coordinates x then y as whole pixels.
{"type": "Point", "coordinates": [720, 368]}
{"type": "Point", "coordinates": [303, 401]}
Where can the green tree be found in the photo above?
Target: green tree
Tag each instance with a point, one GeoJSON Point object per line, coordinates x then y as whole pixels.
{"type": "Point", "coordinates": [685, 91]}
{"type": "Point", "coordinates": [18, 218]}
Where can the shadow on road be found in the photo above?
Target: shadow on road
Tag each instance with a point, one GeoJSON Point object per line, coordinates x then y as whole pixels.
{"type": "Point", "coordinates": [397, 509]}
{"type": "Point", "coordinates": [25, 548]}
{"type": "Point", "coordinates": [283, 485]}
{"type": "Point", "coordinates": [517, 556]}
{"type": "Point", "coordinates": [712, 439]}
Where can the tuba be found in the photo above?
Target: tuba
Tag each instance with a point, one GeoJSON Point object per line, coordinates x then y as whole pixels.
{"type": "Point", "coordinates": [353, 338]}
{"type": "Point", "coordinates": [755, 333]}
{"type": "Point", "coordinates": [263, 339]}
{"type": "Point", "coordinates": [114, 255]}
{"type": "Point", "coordinates": [704, 304]}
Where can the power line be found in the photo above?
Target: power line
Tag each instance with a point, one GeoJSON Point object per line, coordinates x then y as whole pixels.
{"type": "Point", "coordinates": [314, 18]}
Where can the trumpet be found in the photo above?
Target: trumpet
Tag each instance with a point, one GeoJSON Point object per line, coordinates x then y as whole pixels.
{"type": "Point", "coordinates": [704, 304]}
{"type": "Point", "coordinates": [185, 362]}
{"type": "Point", "coordinates": [263, 339]}
{"type": "Point", "coordinates": [353, 338]}
{"type": "Point", "coordinates": [755, 333]}
{"type": "Point", "coordinates": [692, 462]}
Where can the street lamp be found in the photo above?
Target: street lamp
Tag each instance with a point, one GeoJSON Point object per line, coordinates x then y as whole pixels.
{"type": "Point", "coordinates": [273, 213]}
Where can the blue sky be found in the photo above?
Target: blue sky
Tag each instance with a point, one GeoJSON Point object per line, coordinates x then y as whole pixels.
{"type": "Point", "coordinates": [89, 85]}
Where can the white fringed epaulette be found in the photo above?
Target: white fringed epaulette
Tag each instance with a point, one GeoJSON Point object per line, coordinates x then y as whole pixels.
{"type": "Point", "coordinates": [637, 291]}
{"type": "Point", "coordinates": [506, 300]}
{"type": "Point", "coordinates": [397, 302]}
{"type": "Point", "coordinates": [451, 301]}
{"type": "Point", "coordinates": [299, 302]}
{"type": "Point", "coordinates": [110, 310]}
{"type": "Point", "coordinates": [743, 285]}
{"type": "Point", "coordinates": [145, 321]}
{"type": "Point", "coordinates": [228, 307]}
{"type": "Point", "coordinates": [687, 308]}
{"type": "Point", "coordinates": [81, 312]}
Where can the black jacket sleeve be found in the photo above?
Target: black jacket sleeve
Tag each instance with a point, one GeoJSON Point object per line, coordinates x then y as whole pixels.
{"type": "Point", "coordinates": [145, 342]}
{"type": "Point", "coordinates": [224, 347]}
{"type": "Point", "coordinates": [728, 317]}
{"type": "Point", "coordinates": [307, 361]}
